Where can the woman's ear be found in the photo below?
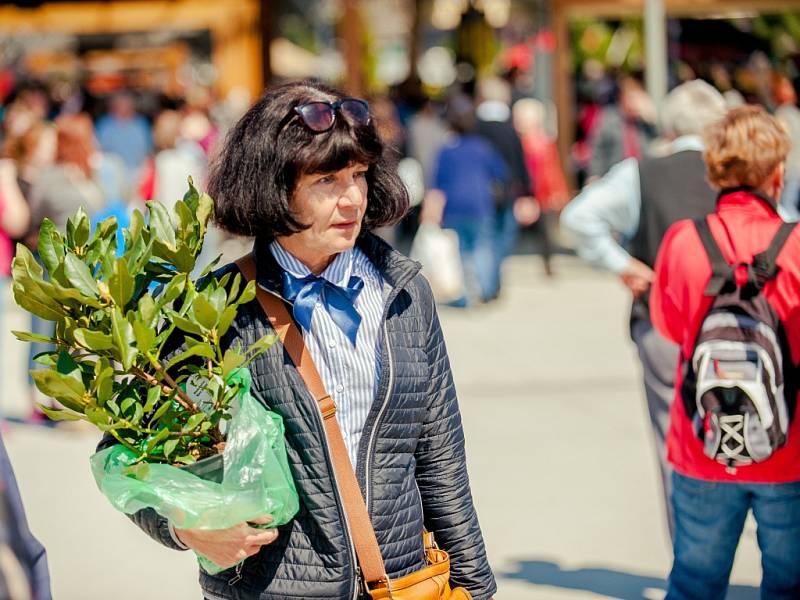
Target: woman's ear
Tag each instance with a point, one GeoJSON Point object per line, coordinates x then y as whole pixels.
{"type": "Point", "coordinates": [776, 181]}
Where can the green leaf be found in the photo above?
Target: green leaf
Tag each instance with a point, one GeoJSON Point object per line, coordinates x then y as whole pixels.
{"type": "Point", "coordinates": [124, 339]}
{"type": "Point", "coordinates": [174, 288]}
{"type": "Point", "coordinates": [204, 350]}
{"type": "Point", "coordinates": [205, 312]}
{"type": "Point", "coordinates": [64, 388]}
{"type": "Point", "coordinates": [161, 224]}
{"type": "Point", "coordinates": [153, 395]}
{"type": "Point", "coordinates": [218, 299]}
{"type": "Point", "coordinates": [210, 266]}
{"type": "Point", "coordinates": [59, 415]}
{"type": "Point", "coordinates": [193, 421]}
{"type": "Point", "coordinates": [66, 365]}
{"type": "Point", "coordinates": [156, 440]}
{"type": "Point", "coordinates": [127, 404]}
{"type": "Point", "coordinates": [35, 301]}
{"type": "Point", "coordinates": [231, 361]}
{"type": "Point", "coordinates": [169, 446]}
{"type": "Point", "coordinates": [99, 418]}
{"type": "Point", "coordinates": [145, 336]}
{"type": "Point", "coordinates": [225, 320]}
{"type": "Point", "coordinates": [93, 340]}
{"type": "Point", "coordinates": [148, 310]}
{"type": "Point", "coordinates": [104, 385]}
{"type": "Point", "coordinates": [261, 345]}
{"type": "Point", "coordinates": [192, 196]}
{"type": "Point", "coordinates": [248, 294]}
{"type": "Point", "coordinates": [121, 283]}
{"type": "Point", "coordinates": [161, 411]}
{"type": "Point", "coordinates": [234, 288]}
{"type": "Point", "coordinates": [25, 336]}
{"type": "Point", "coordinates": [81, 227]}
{"type": "Point", "coordinates": [185, 324]}
{"type": "Point", "coordinates": [133, 232]}
{"type": "Point", "coordinates": [48, 238]}
{"type": "Point", "coordinates": [79, 275]}
{"type": "Point", "coordinates": [185, 220]}
{"type": "Point", "coordinates": [205, 209]}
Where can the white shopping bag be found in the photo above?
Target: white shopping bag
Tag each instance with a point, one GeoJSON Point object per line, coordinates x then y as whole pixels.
{"type": "Point", "coordinates": [437, 250]}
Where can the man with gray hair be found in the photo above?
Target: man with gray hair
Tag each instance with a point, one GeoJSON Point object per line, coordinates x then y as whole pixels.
{"type": "Point", "coordinates": [618, 222]}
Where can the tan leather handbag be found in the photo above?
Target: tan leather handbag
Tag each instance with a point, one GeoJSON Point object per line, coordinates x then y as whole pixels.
{"type": "Point", "coordinates": [429, 583]}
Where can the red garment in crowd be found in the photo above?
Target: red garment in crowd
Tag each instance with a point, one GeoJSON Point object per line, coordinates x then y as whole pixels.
{"type": "Point", "coordinates": [544, 166]}
{"type": "Point", "coordinates": [6, 246]}
{"type": "Point", "coordinates": [743, 225]}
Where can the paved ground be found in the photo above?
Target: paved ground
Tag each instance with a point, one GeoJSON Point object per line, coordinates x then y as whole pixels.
{"type": "Point", "coordinates": [562, 468]}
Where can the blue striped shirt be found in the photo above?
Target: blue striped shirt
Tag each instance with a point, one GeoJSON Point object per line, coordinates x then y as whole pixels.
{"type": "Point", "coordinates": [350, 373]}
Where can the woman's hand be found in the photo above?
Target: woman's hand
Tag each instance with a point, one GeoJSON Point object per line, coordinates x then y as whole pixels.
{"type": "Point", "coordinates": [228, 547]}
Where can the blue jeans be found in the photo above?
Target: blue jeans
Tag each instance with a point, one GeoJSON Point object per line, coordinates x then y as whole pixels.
{"type": "Point", "coordinates": [506, 231]}
{"type": "Point", "coordinates": [477, 255]}
{"type": "Point", "coordinates": [709, 518]}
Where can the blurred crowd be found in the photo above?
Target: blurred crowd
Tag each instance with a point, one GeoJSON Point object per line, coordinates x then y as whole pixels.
{"type": "Point", "coordinates": [479, 159]}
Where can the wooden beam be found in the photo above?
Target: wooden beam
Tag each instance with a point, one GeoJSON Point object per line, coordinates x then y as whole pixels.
{"type": "Point", "coordinates": [562, 86]}
{"type": "Point", "coordinates": [233, 25]}
{"type": "Point", "coordinates": [674, 8]}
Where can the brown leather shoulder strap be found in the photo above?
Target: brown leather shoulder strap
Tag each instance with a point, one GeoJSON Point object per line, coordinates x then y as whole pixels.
{"type": "Point", "coordinates": [369, 555]}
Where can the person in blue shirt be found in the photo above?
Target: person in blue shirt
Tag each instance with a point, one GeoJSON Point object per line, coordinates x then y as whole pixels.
{"type": "Point", "coordinates": [468, 176]}
{"type": "Point", "coordinates": [125, 133]}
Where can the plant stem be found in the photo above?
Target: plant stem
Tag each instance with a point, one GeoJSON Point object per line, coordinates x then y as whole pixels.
{"type": "Point", "coordinates": [181, 397]}
{"type": "Point", "coordinates": [123, 442]}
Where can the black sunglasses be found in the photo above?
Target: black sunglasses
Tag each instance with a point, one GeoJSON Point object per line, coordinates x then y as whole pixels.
{"type": "Point", "coordinates": [320, 116]}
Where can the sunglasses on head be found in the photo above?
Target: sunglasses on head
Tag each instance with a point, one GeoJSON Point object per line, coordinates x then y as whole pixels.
{"type": "Point", "coordinates": [320, 116]}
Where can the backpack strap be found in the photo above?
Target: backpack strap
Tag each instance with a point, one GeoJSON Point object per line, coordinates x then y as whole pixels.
{"type": "Point", "coordinates": [721, 271]}
{"type": "Point", "coordinates": [764, 267]}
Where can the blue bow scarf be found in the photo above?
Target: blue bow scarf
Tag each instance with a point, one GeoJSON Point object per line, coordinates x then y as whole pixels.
{"type": "Point", "coordinates": [338, 301]}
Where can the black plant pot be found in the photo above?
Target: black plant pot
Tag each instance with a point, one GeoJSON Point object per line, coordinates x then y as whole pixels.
{"type": "Point", "coordinates": [210, 469]}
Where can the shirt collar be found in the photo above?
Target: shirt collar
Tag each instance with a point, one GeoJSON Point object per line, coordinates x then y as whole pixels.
{"type": "Point", "coordinates": [338, 272]}
{"type": "Point", "coordinates": [688, 142]}
{"type": "Point", "coordinates": [493, 110]}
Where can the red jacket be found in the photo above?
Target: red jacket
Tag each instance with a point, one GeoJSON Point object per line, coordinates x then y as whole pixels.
{"type": "Point", "coordinates": [743, 225]}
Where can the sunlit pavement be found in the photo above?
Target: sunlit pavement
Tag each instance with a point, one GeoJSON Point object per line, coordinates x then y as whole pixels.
{"type": "Point", "coordinates": [562, 466]}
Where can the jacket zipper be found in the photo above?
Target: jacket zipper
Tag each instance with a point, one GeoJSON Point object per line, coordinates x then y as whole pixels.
{"type": "Point", "coordinates": [332, 471]}
{"type": "Point", "coordinates": [376, 424]}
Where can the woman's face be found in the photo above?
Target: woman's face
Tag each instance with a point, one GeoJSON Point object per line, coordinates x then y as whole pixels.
{"type": "Point", "coordinates": [333, 205]}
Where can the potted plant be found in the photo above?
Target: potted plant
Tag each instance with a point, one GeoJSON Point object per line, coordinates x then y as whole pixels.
{"type": "Point", "coordinates": [137, 352]}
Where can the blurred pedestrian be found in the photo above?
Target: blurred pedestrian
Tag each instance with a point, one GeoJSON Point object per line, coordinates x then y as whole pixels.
{"type": "Point", "coordinates": [57, 193]}
{"type": "Point", "coordinates": [717, 442]}
{"type": "Point", "coordinates": [61, 188]}
{"type": "Point", "coordinates": [124, 132]}
{"type": "Point", "coordinates": [618, 222]}
{"type": "Point", "coordinates": [427, 133]}
{"type": "Point", "coordinates": [789, 114]}
{"type": "Point", "coordinates": [24, 573]}
{"type": "Point", "coordinates": [468, 173]}
{"type": "Point", "coordinates": [624, 130]}
{"type": "Point", "coordinates": [29, 143]}
{"type": "Point", "coordinates": [176, 159]}
{"type": "Point", "coordinates": [544, 165]}
{"type": "Point", "coordinates": [494, 124]}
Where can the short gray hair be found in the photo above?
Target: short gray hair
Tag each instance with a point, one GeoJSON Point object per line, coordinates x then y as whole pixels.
{"type": "Point", "coordinates": [690, 107]}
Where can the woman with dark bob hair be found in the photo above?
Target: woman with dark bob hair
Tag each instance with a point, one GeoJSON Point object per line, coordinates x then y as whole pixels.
{"type": "Point", "coordinates": [305, 172]}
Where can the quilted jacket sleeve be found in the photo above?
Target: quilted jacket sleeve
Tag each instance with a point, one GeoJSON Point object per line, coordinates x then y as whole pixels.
{"type": "Point", "coordinates": [442, 473]}
{"type": "Point", "coordinates": [153, 524]}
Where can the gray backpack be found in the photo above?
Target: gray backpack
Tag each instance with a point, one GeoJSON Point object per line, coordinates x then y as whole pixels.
{"type": "Point", "coordinates": [739, 384]}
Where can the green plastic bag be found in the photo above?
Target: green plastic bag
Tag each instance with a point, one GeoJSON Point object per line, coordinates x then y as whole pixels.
{"type": "Point", "coordinates": [256, 480]}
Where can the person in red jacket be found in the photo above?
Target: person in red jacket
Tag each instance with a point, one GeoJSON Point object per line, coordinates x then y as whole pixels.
{"type": "Point", "coordinates": [744, 156]}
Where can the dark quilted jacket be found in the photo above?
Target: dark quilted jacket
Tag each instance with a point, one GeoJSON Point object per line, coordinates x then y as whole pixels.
{"type": "Point", "coordinates": [411, 459]}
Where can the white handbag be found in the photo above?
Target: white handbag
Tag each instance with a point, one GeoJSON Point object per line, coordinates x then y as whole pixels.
{"type": "Point", "coordinates": [437, 250]}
